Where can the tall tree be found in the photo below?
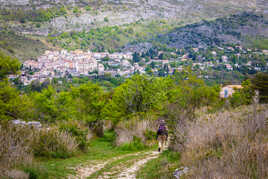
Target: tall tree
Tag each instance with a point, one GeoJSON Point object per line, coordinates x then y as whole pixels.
{"type": "Point", "coordinates": [13, 105]}
{"type": "Point", "coordinates": [138, 95]}
{"type": "Point", "coordinates": [8, 65]}
{"type": "Point", "coordinates": [260, 83]}
{"type": "Point", "coordinates": [136, 57]}
{"type": "Point", "coordinates": [90, 100]}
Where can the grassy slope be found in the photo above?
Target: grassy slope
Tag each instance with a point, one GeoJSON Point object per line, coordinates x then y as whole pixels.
{"type": "Point", "coordinates": [112, 37]}
{"type": "Point", "coordinates": [260, 43]}
{"type": "Point", "coordinates": [19, 46]}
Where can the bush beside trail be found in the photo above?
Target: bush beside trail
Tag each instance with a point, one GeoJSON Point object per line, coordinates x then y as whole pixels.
{"type": "Point", "coordinates": [19, 145]}
{"type": "Point", "coordinates": [227, 144]}
{"type": "Point", "coordinates": [54, 143]}
{"type": "Point", "coordinates": [15, 147]}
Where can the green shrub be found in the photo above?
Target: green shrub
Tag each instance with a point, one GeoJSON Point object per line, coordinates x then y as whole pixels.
{"type": "Point", "coordinates": [35, 171]}
{"type": "Point", "coordinates": [236, 99]}
{"type": "Point", "coordinates": [88, 8]}
{"type": "Point", "coordinates": [54, 143]}
{"type": "Point", "coordinates": [150, 135]}
{"type": "Point", "coordinates": [135, 145]}
{"type": "Point", "coordinates": [40, 15]}
{"type": "Point", "coordinates": [161, 167]}
{"type": "Point", "coordinates": [76, 10]}
{"type": "Point", "coordinates": [106, 19]}
{"type": "Point", "coordinates": [79, 131]}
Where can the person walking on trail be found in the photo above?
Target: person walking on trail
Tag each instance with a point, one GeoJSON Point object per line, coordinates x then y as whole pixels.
{"type": "Point", "coordinates": [162, 135]}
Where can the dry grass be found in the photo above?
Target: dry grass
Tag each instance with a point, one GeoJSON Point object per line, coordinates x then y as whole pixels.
{"type": "Point", "coordinates": [15, 147]}
{"type": "Point", "coordinates": [18, 144]}
{"type": "Point", "coordinates": [228, 144]}
{"type": "Point", "coordinates": [126, 130]}
{"type": "Point", "coordinates": [54, 143]}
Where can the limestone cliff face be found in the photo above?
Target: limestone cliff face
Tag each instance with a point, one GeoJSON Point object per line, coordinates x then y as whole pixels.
{"type": "Point", "coordinates": [127, 11]}
{"type": "Point", "coordinates": [262, 6]}
{"type": "Point", "coordinates": [28, 4]}
{"type": "Point", "coordinates": [145, 4]}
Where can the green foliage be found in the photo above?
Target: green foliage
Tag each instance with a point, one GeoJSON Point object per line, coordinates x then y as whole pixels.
{"type": "Point", "coordinates": [77, 130]}
{"type": "Point", "coordinates": [192, 93]}
{"type": "Point", "coordinates": [150, 135]}
{"type": "Point", "coordinates": [109, 38]}
{"type": "Point", "coordinates": [76, 10]}
{"type": "Point", "coordinates": [45, 102]}
{"type": "Point", "coordinates": [13, 105]}
{"type": "Point", "coordinates": [16, 45]}
{"type": "Point", "coordinates": [162, 167]}
{"type": "Point", "coordinates": [88, 8]}
{"type": "Point", "coordinates": [135, 145]}
{"type": "Point", "coordinates": [136, 57]}
{"type": "Point", "coordinates": [260, 43]}
{"type": "Point", "coordinates": [35, 172]}
{"type": "Point", "coordinates": [39, 15]}
{"type": "Point", "coordinates": [8, 66]}
{"type": "Point", "coordinates": [243, 96]}
{"type": "Point", "coordinates": [106, 19]}
{"type": "Point", "coordinates": [80, 103]}
{"type": "Point", "coordinates": [260, 83]}
{"type": "Point", "coordinates": [237, 99]}
{"type": "Point", "coordinates": [89, 99]}
{"type": "Point", "coordinates": [138, 95]}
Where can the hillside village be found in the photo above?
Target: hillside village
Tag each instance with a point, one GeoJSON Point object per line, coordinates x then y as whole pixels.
{"type": "Point", "coordinates": [56, 64]}
{"type": "Point", "coordinates": [59, 64]}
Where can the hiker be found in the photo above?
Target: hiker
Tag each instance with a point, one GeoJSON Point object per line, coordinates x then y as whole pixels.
{"type": "Point", "coordinates": [162, 135]}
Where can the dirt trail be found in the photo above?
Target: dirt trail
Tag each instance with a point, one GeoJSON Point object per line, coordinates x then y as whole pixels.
{"type": "Point", "coordinates": [130, 173]}
{"type": "Point", "coordinates": [122, 167]}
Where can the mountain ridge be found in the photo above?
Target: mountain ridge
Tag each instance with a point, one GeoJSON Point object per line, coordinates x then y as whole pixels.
{"type": "Point", "coordinates": [87, 14]}
{"type": "Point", "coordinates": [235, 29]}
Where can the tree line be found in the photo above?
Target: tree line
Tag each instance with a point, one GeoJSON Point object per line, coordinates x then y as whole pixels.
{"type": "Point", "coordinates": [138, 96]}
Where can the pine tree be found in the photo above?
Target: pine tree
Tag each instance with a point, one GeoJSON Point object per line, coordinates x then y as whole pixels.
{"type": "Point", "coordinates": [260, 83]}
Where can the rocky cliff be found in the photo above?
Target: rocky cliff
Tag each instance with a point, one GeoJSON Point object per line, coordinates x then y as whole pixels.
{"type": "Point", "coordinates": [119, 12]}
{"type": "Point", "coordinates": [162, 4]}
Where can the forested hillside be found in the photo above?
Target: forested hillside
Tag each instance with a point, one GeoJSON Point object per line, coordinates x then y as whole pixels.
{"type": "Point", "coordinates": [236, 29]}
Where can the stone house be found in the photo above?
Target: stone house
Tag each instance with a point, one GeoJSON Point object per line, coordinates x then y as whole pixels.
{"type": "Point", "coordinates": [227, 91]}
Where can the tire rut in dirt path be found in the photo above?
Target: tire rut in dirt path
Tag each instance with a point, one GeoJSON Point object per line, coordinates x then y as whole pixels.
{"type": "Point", "coordinates": [86, 170]}
{"type": "Point", "coordinates": [114, 169]}
{"type": "Point", "coordinates": [130, 173]}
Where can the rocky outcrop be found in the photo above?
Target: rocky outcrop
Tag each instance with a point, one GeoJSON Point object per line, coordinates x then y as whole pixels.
{"type": "Point", "coordinates": [29, 4]}
{"type": "Point", "coordinates": [121, 12]}
{"type": "Point", "coordinates": [262, 6]}
{"type": "Point", "coordinates": [124, 12]}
